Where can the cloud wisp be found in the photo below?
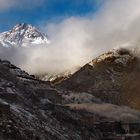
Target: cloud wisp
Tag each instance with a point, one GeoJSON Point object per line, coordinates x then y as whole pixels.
{"type": "Point", "coordinates": [18, 4]}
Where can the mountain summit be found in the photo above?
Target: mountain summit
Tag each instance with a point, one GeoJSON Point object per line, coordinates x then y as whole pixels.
{"type": "Point", "coordinates": [23, 35]}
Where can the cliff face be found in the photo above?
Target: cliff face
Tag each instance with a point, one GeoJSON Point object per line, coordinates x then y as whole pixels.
{"type": "Point", "coordinates": [108, 77]}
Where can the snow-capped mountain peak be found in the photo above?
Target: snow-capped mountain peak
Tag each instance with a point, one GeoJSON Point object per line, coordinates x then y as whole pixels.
{"type": "Point", "coordinates": [23, 35]}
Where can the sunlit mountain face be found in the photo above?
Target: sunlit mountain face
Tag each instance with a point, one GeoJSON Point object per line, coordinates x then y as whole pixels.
{"type": "Point", "coordinates": [23, 35]}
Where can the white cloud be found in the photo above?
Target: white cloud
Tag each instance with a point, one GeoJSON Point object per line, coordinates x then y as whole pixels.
{"type": "Point", "coordinates": [22, 4]}
{"type": "Point", "coordinates": [6, 4]}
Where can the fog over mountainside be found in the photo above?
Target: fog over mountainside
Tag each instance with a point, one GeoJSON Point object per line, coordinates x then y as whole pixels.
{"type": "Point", "coordinates": [77, 40]}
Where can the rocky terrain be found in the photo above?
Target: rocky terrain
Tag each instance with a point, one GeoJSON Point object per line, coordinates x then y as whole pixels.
{"type": "Point", "coordinates": [112, 77]}
{"type": "Point", "coordinates": [34, 109]}
{"type": "Point", "coordinates": [29, 109]}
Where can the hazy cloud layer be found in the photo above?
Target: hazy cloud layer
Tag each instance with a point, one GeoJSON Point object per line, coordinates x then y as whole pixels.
{"type": "Point", "coordinates": [123, 113]}
{"type": "Point", "coordinates": [5, 4]}
{"type": "Point", "coordinates": [77, 40]}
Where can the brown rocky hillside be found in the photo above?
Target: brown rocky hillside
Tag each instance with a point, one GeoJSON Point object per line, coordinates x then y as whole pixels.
{"type": "Point", "coordinates": [113, 77]}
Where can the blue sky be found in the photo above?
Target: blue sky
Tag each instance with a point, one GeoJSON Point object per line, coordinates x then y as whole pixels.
{"type": "Point", "coordinates": [38, 11]}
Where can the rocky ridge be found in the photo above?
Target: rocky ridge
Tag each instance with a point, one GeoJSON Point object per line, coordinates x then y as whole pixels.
{"type": "Point", "coordinates": [106, 77]}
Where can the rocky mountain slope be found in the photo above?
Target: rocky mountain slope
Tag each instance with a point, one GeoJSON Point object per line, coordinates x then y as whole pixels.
{"type": "Point", "coordinates": [23, 35]}
{"type": "Point", "coordinates": [33, 109]}
{"type": "Point", "coordinates": [29, 109]}
{"type": "Point", "coordinates": [113, 77]}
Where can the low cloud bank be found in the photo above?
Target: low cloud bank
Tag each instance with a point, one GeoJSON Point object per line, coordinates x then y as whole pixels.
{"type": "Point", "coordinates": [77, 40]}
{"type": "Point", "coordinates": [124, 114]}
{"type": "Point", "coordinates": [80, 98]}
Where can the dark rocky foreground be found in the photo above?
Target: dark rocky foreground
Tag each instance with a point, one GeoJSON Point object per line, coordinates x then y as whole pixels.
{"type": "Point", "coordinates": [31, 109]}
